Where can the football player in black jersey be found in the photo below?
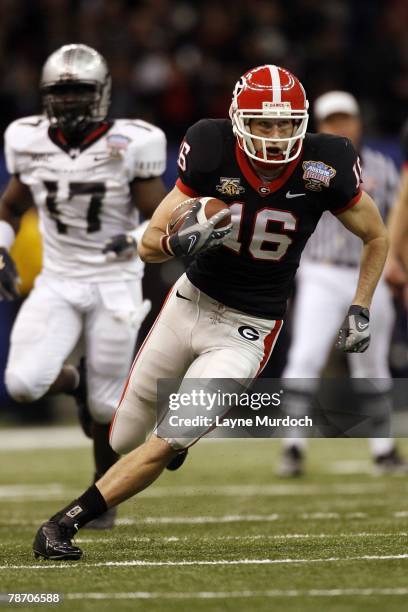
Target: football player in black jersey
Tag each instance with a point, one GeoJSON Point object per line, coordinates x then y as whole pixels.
{"type": "Point", "coordinates": [222, 317]}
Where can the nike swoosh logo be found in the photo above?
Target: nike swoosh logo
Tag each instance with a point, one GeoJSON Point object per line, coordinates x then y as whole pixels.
{"type": "Point", "coordinates": [294, 195]}
{"type": "Point", "coordinates": [182, 296]}
{"type": "Point", "coordinates": [193, 240]}
{"type": "Point", "coordinates": [362, 325]}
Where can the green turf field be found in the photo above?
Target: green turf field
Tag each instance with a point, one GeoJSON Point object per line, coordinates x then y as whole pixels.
{"type": "Point", "coordinates": [223, 533]}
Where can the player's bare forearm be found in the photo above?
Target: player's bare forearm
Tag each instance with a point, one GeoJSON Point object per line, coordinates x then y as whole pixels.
{"type": "Point", "coordinates": [364, 220]}
{"type": "Point", "coordinates": [14, 202]}
{"type": "Point", "coordinates": [372, 263]}
{"type": "Point", "coordinates": [149, 248]}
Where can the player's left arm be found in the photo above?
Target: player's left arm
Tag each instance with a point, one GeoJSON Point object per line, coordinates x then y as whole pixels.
{"type": "Point", "coordinates": [147, 191]}
{"type": "Point", "coordinates": [364, 220]}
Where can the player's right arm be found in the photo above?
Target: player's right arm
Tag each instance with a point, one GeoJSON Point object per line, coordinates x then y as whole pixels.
{"type": "Point", "coordinates": [14, 202]}
{"type": "Point", "coordinates": [150, 248]}
{"type": "Point", "coordinates": [199, 156]}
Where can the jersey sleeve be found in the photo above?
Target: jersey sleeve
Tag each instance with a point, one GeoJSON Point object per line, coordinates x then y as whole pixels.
{"type": "Point", "coordinates": [147, 154]}
{"type": "Point", "coordinates": [200, 154]}
{"type": "Point", "coordinates": [345, 187]}
{"type": "Point", "coordinates": [11, 155]}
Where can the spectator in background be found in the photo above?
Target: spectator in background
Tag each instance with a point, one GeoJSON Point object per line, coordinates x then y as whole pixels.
{"type": "Point", "coordinates": [201, 46]}
{"type": "Point", "coordinates": [325, 283]}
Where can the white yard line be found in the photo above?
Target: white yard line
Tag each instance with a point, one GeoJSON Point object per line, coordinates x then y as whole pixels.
{"type": "Point", "coordinates": [229, 518]}
{"type": "Point", "coordinates": [33, 492]}
{"type": "Point", "coordinates": [138, 563]}
{"type": "Point", "coordinates": [241, 594]}
{"type": "Point", "coordinates": [248, 538]}
{"type": "Point", "coordinates": [41, 438]}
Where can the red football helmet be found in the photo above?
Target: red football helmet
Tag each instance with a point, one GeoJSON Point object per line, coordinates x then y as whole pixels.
{"type": "Point", "coordinates": [269, 92]}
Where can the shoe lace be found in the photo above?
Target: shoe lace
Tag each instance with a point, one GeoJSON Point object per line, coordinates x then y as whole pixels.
{"type": "Point", "coordinates": [61, 532]}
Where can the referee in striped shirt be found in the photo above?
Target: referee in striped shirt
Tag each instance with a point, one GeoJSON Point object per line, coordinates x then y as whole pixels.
{"type": "Point", "coordinates": [326, 279]}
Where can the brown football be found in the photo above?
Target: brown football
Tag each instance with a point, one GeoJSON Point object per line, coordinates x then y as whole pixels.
{"type": "Point", "coordinates": [210, 207]}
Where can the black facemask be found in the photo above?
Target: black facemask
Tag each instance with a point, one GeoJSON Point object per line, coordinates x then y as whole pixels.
{"type": "Point", "coordinates": [70, 106]}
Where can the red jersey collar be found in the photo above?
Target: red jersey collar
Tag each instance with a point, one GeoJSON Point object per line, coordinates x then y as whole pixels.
{"type": "Point", "coordinates": [264, 188]}
{"type": "Point", "coordinates": [59, 139]}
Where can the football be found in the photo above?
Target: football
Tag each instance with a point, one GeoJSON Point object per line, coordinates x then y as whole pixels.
{"type": "Point", "coordinates": [210, 207]}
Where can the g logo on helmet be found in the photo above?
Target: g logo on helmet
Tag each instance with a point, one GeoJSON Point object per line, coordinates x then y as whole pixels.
{"type": "Point", "coordinates": [249, 333]}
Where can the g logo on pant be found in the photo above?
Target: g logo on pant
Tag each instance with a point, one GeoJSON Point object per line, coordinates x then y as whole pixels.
{"type": "Point", "coordinates": [249, 333]}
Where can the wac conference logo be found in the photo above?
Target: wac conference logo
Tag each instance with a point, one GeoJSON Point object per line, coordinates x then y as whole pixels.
{"type": "Point", "coordinates": [230, 186]}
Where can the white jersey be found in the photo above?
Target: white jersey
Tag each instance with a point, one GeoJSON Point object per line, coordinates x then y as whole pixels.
{"type": "Point", "coordinates": [331, 242]}
{"type": "Point", "coordinates": [83, 195]}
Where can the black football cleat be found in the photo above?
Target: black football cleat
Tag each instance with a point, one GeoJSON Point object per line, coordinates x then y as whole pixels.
{"type": "Point", "coordinates": [80, 395]}
{"type": "Point", "coordinates": [291, 463]}
{"type": "Point", "coordinates": [53, 541]}
{"type": "Point", "coordinates": [390, 463]}
{"type": "Point", "coordinates": [177, 461]}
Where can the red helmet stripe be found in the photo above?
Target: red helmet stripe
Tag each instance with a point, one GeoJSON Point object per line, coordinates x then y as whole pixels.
{"type": "Point", "coordinates": [276, 84]}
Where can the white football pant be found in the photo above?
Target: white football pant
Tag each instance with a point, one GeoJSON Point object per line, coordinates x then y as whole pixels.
{"type": "Point", "coordinates": [196, 337]}
{"type": "Point", "coordinates": [49, 325]}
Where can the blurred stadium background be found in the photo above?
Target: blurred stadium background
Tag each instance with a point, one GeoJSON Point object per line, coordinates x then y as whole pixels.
{"type": "Point", "coordinates": [173, 62]}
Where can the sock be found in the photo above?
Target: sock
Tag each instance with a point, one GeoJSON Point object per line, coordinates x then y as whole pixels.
{"type": "Point", "coordinates": [381, 446]}
{"type": "Point", "coordinates": [82, 510]}
{"type": "Point", "coordinates": [75, 374]}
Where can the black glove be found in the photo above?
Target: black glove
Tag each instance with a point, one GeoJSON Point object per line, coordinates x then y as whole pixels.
{"type": "Point", "coordinates": [121, 247]}
{"type": "Point", "coordinates": [354, 334]}
{"type": "Point", "coordinates": [193, 237]}
{"type": "Point", "coordinates": [8, 277]}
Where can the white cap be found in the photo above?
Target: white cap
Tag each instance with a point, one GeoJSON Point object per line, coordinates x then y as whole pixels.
{"type": "Point", "coordinates": [335, 102]}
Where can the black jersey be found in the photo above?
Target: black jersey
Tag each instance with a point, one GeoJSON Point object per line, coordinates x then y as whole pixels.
{"type": "Point", "coordinates": [254, 270]}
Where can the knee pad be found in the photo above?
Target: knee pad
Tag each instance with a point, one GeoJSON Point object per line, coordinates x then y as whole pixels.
{"type": "Point", "coordinates": [101, 411]}
{"type": "Point", "coordinates": [23, 390]}
{"type": "Point", "coordinates": [131, 425]}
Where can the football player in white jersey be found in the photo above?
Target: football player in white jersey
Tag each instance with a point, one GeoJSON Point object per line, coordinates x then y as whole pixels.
{"type": "Point", "coordinates": [90, 178]}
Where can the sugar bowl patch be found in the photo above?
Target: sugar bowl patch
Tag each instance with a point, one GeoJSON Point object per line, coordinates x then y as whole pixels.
{"type": "Point", "coordinates": [317, 174]}
{"type": "Point", "coordinates": [117, 144]}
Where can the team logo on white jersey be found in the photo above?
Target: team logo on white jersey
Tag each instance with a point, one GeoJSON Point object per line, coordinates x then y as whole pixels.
{"type": "Point", "coordinates": [317, 174]}
{"type": "Point", "coordinates": [117, 144]}
{"type": "Point", "coordinates": [230, 186]}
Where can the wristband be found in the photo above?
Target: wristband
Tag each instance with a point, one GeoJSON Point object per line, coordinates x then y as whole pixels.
{"type": "Point", "coordinates": [164, 245]}
{"type": "Point", "coordinates": [7, 234]}
{"type": "Point", "coordinates": [359, 310]}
